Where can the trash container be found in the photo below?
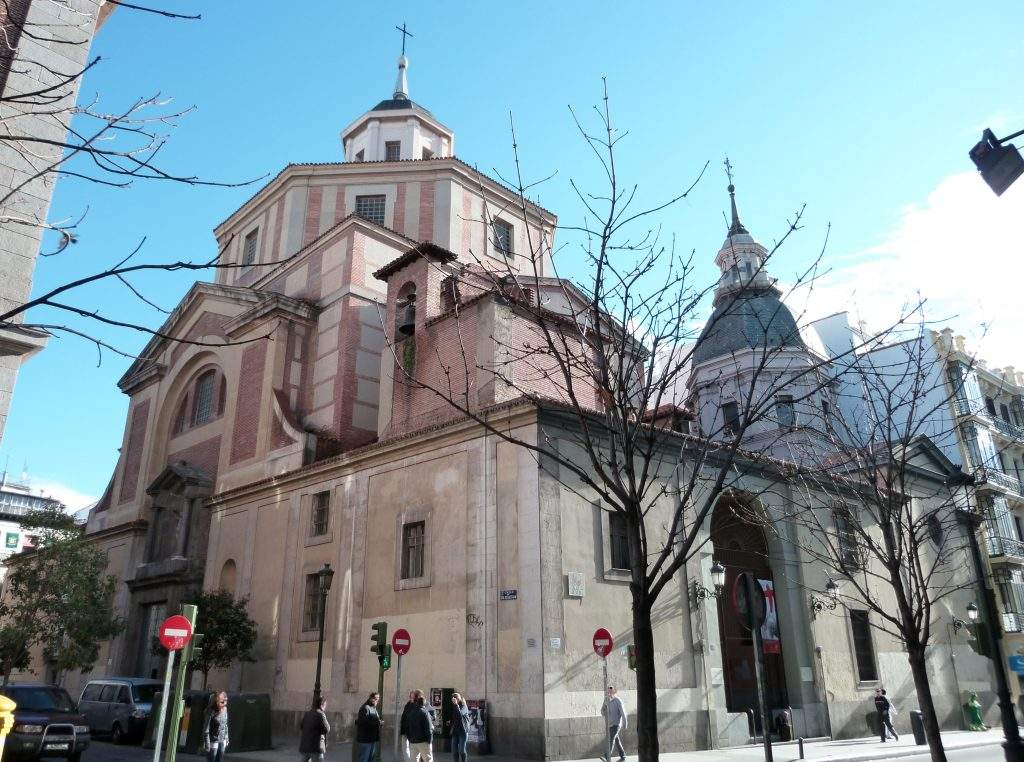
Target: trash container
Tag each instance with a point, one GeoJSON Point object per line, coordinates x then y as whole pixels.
{"type": "Point", "coordinates": [917, 726]}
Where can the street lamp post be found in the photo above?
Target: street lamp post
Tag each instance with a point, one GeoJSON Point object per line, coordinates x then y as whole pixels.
{"type": "Point", "coordinates": [1013, 749]}
{"type": "Point", "coordinates": [326, 574]}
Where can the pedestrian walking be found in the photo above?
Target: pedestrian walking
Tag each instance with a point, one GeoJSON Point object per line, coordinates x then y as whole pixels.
{"type": "Point", "coordinates": [459, 728]}
{"type": "Point", "coordinates": [368, 724]}
{"type": "Point", "coordinates": [615, 717]}
{"type": "Point", "coordinates": [885, 711]}
{"type": "Point", "coordinates": [215, 727]}
{"type": "Point", "coordinates": [403, 726]}
{"type": "Point", "coordinates": [313, 733]}
{"type": "Point", "coordinates": [419, 730]}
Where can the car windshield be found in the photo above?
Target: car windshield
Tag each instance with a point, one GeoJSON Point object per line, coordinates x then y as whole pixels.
{"type": "Point", "coordinates": [144, 693]}
{"type": "Point", "coordinates": [40, 699]}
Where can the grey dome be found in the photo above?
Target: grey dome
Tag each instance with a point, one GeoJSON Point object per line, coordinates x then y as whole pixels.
{"type": "Point", "coordinates": [398, 104]}
{"type": "Point", "coordinates": [747, 321]}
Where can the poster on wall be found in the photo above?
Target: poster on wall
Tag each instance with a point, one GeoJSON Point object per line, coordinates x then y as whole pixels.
{"type": "Point", "coordinates": [477, 722]}
{"type": "Point", "coordinates": [12, 540]}
{"type": "Point", "coordinates": [770, 628]}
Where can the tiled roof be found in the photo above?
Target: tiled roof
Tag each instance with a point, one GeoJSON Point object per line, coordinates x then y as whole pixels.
{"type": "Point", "coordinates": [425, 249]}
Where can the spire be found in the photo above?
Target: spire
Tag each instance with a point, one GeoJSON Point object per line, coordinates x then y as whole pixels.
{"type": "Point", "coordinates": [402, 84]}
{"type": "Point", "coordinates": [736, 227]}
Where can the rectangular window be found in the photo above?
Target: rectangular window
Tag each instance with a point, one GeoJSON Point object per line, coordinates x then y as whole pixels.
{"type": "Point", "coordinates": [863, 646]}
{"type": "Point", "coordinates": [413, 549]}
{"type": "Point", "coordinates": [1011, 589]}
{"type": "Point", "coordinates": [846, 545]}
{"type": "Point", "coordinates": [618, 540]}
{"type": "Point", "coordinates": [202, 405]}
{"type": "Point", "coordinates": [249, 248]}
{"type": "Point", "coordinates": [320, 514]}
{"type": "Point", "coordinates": [502, 237]}
{"type": "Point", "coordinates": [730, 417]}
{"type": "Point", "coordinates": [990, 406]}
{"type": "Point", "coordinates": [371, 208]}
{"type": "Point", "coordinates": [1004, 411]}
{"type": "Point", "coordinates": [392, 150]}
{"type": "Point", "coordinates": [311, 604]}
{"type": "Point", "coordinates": [784, 412]}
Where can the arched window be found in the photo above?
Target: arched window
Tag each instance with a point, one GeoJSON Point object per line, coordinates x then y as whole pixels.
{"type": "Point", "coordinates": [228, 576]}
{"type": "Point", "coordinates": [202, 399]}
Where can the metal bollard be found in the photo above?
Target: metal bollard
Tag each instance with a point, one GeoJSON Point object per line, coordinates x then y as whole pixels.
{"type": "Point", "coordinates": [800, 743]}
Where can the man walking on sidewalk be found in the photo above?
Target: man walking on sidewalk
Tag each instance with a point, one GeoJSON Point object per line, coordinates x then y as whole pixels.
{"type": "Point", "coordinates": [419, 730]}
{"type": "Point", "coordinates": [884, 707]}
{"type": "Point", "coordinates": [615, 715]}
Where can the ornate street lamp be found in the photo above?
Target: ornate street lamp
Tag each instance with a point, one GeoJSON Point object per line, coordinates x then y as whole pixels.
{"type": "Point", "coordinates": [829, 603]}
{"type": "Point", "coordinates": [1013, 749]}
{"type": "Point", "coordinates": [325, 575]}
{"type": "Point", "coordinates": [701, 593]}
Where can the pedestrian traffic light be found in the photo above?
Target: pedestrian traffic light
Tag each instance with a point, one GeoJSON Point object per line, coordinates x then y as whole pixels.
{"type": "Point", "coordinates": [379, 638]}
{"type": "Point", "coordinates": [385, 657]}
{"type": "Point", "coordinates": [999, 164]}
{"type": "Point", "coordinates": [194, 649]}
{"type": "Point", "coordinates": [631, 655]}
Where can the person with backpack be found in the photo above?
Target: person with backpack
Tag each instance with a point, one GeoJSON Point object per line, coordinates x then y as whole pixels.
{"type": "Point", "coordinates": [313, 733]}
{"type": "Point", "coordinates": [215, 727]}
{"type": "Point", "coordinates": [885, 711]}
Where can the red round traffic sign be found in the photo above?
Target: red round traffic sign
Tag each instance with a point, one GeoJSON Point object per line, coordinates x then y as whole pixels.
{"type": "Point", "coordinates": [175, 632]}
{"type": "Point", "coordinates": [602, 642]}
{"type": "Point", "coordinates": [401, 641]}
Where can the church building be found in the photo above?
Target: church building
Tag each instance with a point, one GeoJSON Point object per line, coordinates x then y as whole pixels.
{"type": "Point", "coordinates": [279, 436]}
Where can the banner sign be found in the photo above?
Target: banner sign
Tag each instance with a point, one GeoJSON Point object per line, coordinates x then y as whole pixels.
{"type": "Point", "coordinates": [770, 628]}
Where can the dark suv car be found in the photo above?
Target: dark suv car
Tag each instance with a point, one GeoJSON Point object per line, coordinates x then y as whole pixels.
{"type": "Point", "coordinates": [46, 724]}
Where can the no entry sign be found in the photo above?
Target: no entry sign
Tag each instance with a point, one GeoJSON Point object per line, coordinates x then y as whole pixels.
{"type": "Point", "coordinates": [401, 641]}
{"type": "Point", "coordinates": [602, 642]}
{"type": "Point", "coordinates": [175, 632]}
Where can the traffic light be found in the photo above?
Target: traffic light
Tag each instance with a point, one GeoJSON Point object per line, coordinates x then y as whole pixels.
{"type": "Point", "coordinates": [380, 638]}
{"type": "Point", "coordinates": [385, 658]}
{"type": "Point", "coordinates": [194, 650]}
{"type": "Point", "coordinates": [631, 655]}
{"type": "Point", "coordinates": [999, 164]}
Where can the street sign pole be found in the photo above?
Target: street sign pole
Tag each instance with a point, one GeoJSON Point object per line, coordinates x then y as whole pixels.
{"type": "Point", "coordinates": [397, 720]}
{"type": "Point", "coordinates": [178, 705]}
{"type": "Point", "coordinates": [755, 633]}
{"type": "Point", "coordinates": [163, 706]}
{"type": "Point", "coordinates": [604, 690]}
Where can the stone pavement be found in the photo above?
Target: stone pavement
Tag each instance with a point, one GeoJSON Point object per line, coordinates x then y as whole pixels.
{"type": "Point", "coordinates": [845, 750]}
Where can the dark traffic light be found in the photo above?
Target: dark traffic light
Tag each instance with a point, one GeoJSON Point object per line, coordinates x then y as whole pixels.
{"type": "Point", "coordinates": [999, 164]}
{"type": "Point", "coordinates": [380, 638]}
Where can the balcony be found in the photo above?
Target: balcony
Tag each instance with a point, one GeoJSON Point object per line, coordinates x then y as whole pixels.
{"type": "Point", "coordinates": [1005, 548]}
{"type": "Point", "coordinates": [1012, 622]}
{"type": "Point", "coordinates": [1007, 429]}
{"type": "Point", "coordinates": [989, 477]}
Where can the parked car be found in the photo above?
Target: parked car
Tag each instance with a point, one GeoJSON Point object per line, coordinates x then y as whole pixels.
{"type": "Point", "coordinates": [46, 724]}
{"type": "Point", "coordinates": [119, 706]}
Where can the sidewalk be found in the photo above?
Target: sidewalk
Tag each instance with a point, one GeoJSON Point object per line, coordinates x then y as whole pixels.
{"type": "Point", "coordinates": [846, 750]}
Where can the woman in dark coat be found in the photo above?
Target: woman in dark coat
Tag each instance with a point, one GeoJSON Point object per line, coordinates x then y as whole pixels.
{"type": "Point", "coordinates": [313, 734]}
{"type": "Point", "coordinates": [459, 728]}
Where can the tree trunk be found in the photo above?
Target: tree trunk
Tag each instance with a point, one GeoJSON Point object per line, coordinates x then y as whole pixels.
{"type": "Point", "coordinates": [646, 694]}
{"type": "Point", "coordinates": [919, 669]}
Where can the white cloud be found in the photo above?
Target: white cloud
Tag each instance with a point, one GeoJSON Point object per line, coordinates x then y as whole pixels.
{"type": "Point", "coordinates": [960, 250]}
{"type": "Point", "coordinates": [72, 498]}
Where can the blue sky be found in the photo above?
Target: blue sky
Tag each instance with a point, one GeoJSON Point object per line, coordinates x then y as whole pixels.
{"type": "Point", "coordinates": [865, 112]}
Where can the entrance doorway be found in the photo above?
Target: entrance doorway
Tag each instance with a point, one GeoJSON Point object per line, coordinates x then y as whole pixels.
{"type": "Point", "coordinates": [740, 546]}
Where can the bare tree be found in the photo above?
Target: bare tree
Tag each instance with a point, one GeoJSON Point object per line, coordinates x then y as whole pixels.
{"type": "Point", "coordinates": [613, 352]}
{"type": "Point", "coordinates": [875, 505]}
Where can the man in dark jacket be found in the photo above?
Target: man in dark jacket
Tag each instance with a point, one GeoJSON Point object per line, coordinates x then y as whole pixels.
{"type": "Point", "coordinates": [419, 730]}
{"type": "Point", "coordinates": [313, 734]}
{"type": "Point", "coordinates": [368, 724]}
{"type": "Point", "coordinates": [403, 725]}
{"type": "Point", "coordinates": [884, 708]}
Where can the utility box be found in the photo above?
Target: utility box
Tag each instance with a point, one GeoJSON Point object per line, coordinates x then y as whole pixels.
{"type": "Point", "coordinates": [917, 726]}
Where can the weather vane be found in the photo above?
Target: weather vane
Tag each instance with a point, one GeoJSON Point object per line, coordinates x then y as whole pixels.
{"type": "Point", "coordinates": [405, 33]}
{"type": "Point", "coordinates": [728, 169]}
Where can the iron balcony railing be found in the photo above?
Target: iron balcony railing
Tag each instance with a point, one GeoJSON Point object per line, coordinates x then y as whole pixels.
{"type": "Point", "coordinates": [1010, 430]}
{"type": "Point", "coordinates": [1000, 479]}
{"type": "Point", "coordinates": [1012, 622]}
{"type": "Point", "coordinates": [1006, 428]}
{"type": "Point", "coordinates": [1005, 546]}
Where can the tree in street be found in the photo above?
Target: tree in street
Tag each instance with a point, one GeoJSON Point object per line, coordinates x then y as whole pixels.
{"type": "Point", "coordinates": [229, 633]}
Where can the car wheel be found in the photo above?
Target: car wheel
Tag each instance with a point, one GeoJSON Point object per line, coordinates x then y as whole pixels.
{"type": "Point", "coordinates": [116, 734]}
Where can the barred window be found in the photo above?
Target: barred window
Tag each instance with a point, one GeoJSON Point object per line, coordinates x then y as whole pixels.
{"type": "Point", "coordinates": [1011, 589]}
{"type": "Point", "coordinates": [846, 542]}
{"type": "Point", "coordinates": [202, 402]}
{"type": "Point", "coordinates": [320, 514]}
{"type": "Point", "coordinates": [249, 249]}
{"type": "Point", "coordinates": [311, 604]}
{"type": "Point", "coordinates": [502, 237]}
{"type": "Point", "coordinates": [413, 549]}
{"type": "Point", "coordinates": [371, 208]}
{"type": "Point", "coordinates": [863, 646]}
{"type": "Point", "coordinates": [618, 540]}
{"type": "Point", "coordinates": [392, 150]}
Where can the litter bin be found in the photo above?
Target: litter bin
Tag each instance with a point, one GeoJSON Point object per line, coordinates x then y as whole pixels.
{"type": "Point", "coordinates": [917, 726]}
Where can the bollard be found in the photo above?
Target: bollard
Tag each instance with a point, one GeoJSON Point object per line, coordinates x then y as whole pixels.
{"type": "Point", "coordinates": [7, 708]}
{"type": "Point", "coordinates": [800, 743]}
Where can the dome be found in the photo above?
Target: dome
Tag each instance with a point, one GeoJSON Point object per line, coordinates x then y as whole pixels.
{"type": "Point", "coordinates": [397, 104]}
{"type": "Point", "coordinates": [746, 321]}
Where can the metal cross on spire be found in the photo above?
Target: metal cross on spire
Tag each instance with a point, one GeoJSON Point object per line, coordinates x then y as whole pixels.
{"type": "Point", "coordinates": [728, 169]}
{"type": "Point", "coordinates": [736, 226]}
{"type": "Point", "coordinates": [405, 33]}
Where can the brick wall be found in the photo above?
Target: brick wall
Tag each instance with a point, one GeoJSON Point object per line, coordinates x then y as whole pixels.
{"type": "Point", "coordinates": [134, 451]}
{"type": "Point", "coordinates": [207, 324]}
{"type": "Point", "coordinates": [205, 455]}
{"type": "Point", "coordinates": [249, 402]}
